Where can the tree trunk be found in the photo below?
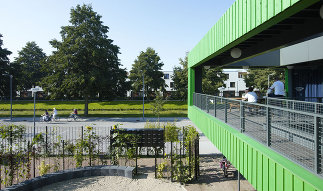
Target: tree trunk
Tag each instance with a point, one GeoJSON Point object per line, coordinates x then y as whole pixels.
{"type": "Point", "coordinates": [86, 105]}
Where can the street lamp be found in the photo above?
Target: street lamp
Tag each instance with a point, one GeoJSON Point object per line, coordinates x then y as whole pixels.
{"type": "Point", "coordinates": [143, 96]}
{"type": "Point", "coordinates": [10, 94]}
{"type": "Point", "coordinates": [34, 93]}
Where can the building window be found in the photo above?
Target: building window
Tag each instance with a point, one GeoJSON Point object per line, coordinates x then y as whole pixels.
{"type": "Point", "coordinates": [166, 76]}
{"type": "Point", "coordinates": [232, 84]}
{"type": "Point", "coordinates": [171, 85]}
{"type": "Point", "coordinates": [241, 74]}
{"type": "Point", "coordinates": [227, 76]}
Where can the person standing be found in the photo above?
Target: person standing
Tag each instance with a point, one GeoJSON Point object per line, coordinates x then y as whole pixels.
{"type": "Point", "coordinates": [278, 87]}
{"type": "Point", "coordinates": [54, 114]}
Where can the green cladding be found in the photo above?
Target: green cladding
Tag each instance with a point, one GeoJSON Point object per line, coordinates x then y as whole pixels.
{"type": "Point", "coordinates": [244, 19]}
{"type": "Point", "coordinates": [264, 168]}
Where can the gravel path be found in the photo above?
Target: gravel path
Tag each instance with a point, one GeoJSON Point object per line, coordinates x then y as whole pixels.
{"type": "Point", "coordinates": [114, 183]}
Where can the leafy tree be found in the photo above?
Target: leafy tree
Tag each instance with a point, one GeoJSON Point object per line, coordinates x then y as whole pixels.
{"type": "Point", "coordinates": [258, 78]}
{"type": "Point", "coordinates": [180, 78]}
{"type": "Point", "coordinates": [28, 63]}
{"type": "Point", "coordinates": [212, 79]}
{"type": "Point", "coordinates": [157, 104]}
{"type": "Point", "coordinates": [148, 64]}
{"type": "Point", "coordinates": [86, 62]}
{"type": "Point", "coordinates": [4, 69]}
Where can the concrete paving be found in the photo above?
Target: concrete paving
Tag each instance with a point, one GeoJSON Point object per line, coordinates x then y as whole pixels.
{"type": "Point", "coordinates": [206, 147]}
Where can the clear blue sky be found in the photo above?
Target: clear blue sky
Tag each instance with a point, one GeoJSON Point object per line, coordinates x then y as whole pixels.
{"type": "Point", "coordinates": [171, 27]}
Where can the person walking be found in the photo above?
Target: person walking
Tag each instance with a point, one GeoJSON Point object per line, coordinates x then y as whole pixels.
{"type": "Point", "coordinates": [54, 113]}
{"type": "Point", "coordinates": [278, 87]}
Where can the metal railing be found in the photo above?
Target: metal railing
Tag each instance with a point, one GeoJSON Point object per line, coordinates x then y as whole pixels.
{"type": "Point", "coordinates": [312, 107]}
{"type": "Point", "coordinates": [292, 128]}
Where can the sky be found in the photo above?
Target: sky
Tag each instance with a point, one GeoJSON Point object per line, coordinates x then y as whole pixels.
{"type": "Point", "coordinates": [170, 27]}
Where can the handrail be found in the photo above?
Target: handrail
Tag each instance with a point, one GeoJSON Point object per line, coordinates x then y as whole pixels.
{"type": "Point", "coordinates": [283, 129]}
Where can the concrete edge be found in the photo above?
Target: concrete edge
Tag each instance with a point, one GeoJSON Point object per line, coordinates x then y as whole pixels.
{"type": "Point", "coordinates": [51, 178]}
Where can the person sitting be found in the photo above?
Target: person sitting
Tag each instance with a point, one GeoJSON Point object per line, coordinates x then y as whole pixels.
{"type": "Point", "coordinates": [279, 88]}
{"type": "Point", "coordinates": [46, 116]}
{"type": "Point", "coordinates": [74, 113]}
{"type": "Point", "coordinates": [250, 96]}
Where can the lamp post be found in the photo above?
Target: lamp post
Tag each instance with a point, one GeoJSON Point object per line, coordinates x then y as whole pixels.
{"type": "Point", "coordinates": [34, 92]}
{"type": "Point", "coordinates": [10, 94]}
{"type": "Point", "coordinates": [143, 96]}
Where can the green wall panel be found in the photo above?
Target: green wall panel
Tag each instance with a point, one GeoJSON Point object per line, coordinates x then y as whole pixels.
{"type": "Point", "coordinates": [245, 18]}
{"type": "Point", "coordinates": [264, 168]}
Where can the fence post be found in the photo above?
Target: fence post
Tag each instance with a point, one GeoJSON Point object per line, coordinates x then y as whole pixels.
{"type": "Point", "coordinates": [215, 106]}
{"type": "Point", "coordinates": [268, 122]}
{"type": "Point", "coordinates": [164, 143]}
{"type": "Point", "coordinates": [317, 150]}
{"type": "Point", "coordinates": [171, 161]}
{"type": "Point", "coordinates": [225, 111]}
{"type": "Point", "coordinates": [46, 140]}
{"type": "Point", "coordinates": [242, 117]}
{"type": "Point", "coordinates": [136, 159]}
{"type": "Point", "coordinates": [63, 155]}
{"type": "Point", "coordinates": [82, 132]}
{"type": "Point", "coordinates": [155, 162]}
{"type": "Point", "coordinates": [200, 101]}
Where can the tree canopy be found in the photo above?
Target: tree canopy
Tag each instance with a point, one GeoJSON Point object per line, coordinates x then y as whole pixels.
{"type": "Point", "coordinates": [258, 78]}
{"type": "Point", "coordinates": [180, 78]}
{"type": "Point", "coordinates": [85, 63]}
{"type": "Point", "coordinates": [28, 63]}
{"type": "Point", "coordinates": [147, 64]}
{"type": "Point", "coordinates": [4, 69]}
{"type": "Point", "coordinates": [212, 79]}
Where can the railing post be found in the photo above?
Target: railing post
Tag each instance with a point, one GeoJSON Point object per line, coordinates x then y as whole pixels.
{"type": "Point", "coordinates": [242, 117]}
{"type": "Point", "coordinates": [317, 151]}
{"type": "Point", "coordinates": [225, 111]}
{"type": "Point", "coordinates": [268, 122]}
{"type": "Point", "coordinates": [207, 104]}
{"type": "Point", "coordinates": [215, 106]}
{"type": "Point", "coordinates": [200, 101]}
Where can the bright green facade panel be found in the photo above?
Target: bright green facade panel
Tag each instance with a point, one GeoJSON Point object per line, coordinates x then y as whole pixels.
{"type": "Point", "coordinates": [264, 168]}
{"type": "Point", "coordinates": [244, 19]}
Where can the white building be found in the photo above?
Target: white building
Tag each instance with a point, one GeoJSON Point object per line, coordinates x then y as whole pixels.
{"type": "Point", "coordinates": [168, 80]}
{"type": "Point", "coordinates": [235, 84]}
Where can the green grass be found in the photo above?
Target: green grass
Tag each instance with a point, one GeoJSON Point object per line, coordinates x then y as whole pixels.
{"type": "Point", "coordinates": [96, 109]}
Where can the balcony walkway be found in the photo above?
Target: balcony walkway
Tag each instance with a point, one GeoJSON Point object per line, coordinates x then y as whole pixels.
{"type": "Point", "coordinates": [297, 135]}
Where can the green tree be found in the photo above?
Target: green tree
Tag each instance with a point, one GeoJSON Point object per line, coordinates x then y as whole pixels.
{"type": "Point", "coordinates": [86, 62]}
{"type": "Point", "coordinates": [4, 69]}
{"type": "Point", "coordinates": [157, 104]}
{"type": "Point", "coordinates": [258, 78]}
{"type": "Point", "coordinates": [180, 78]}
{"type": "Point", "coordinates": [212, 79]}
{"type": "Point", "coordinates": [147, 64]}
{"type": "Point", "coordinates": [28, 63]}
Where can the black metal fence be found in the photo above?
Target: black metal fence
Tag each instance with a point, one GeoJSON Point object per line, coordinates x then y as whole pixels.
{"type": "Point", "coordinates": [294, 129]}
{"type": "Point", "coordinates": [26, 152]}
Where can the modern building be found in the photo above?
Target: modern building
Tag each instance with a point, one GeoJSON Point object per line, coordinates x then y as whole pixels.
{"type": "Point", "coordinates": [168, 81]}
{"type": "Point", "coordinates": [277, 145]}
{"type": "Point", "coordinates": [235, 84]}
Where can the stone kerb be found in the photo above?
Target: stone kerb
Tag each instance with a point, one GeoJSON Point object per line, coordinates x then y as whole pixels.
{"type": "Point", "coordinates": [51, 178]}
